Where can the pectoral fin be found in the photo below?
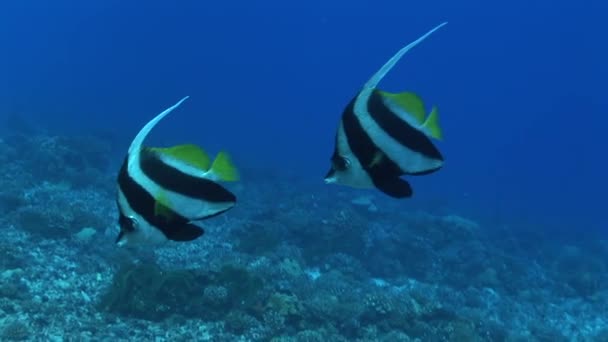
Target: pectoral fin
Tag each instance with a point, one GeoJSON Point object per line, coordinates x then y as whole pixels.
{"type": "Point", "coordinates": [162, 206]}
{"type": "Point", "coordinates": [378, 156]}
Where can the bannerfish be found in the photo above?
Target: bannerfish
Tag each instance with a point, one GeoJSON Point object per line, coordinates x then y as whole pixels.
{"type": "Point", "coordinates": [383, 136]}
{"type": "Point", "coordinates": [163, 191]}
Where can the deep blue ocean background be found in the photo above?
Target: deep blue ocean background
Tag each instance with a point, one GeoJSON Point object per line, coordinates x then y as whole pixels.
{"type": "Point", "coordinates": [520, 85]}
{"type": "Point", "coordinates": [521, 88]}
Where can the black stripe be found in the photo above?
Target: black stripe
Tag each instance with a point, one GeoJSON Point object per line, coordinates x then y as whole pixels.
{"type": "Point", "coordinates": [143, 204]}
{"type": "Point", "coordinates": [172, 179]}
{"type": "Point", "coordinates": [399, 129]}
{"type": "Point", "coordinates": [364, 148]}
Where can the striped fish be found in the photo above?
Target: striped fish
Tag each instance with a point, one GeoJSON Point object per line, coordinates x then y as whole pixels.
{"type": "Point", "coordinates": [162, 191]}
{"type": "Point", "coordinates": [383, 136]}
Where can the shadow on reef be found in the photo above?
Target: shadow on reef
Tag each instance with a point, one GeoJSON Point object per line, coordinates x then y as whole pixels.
{"type": "Point", "coordinates": [149, 292]}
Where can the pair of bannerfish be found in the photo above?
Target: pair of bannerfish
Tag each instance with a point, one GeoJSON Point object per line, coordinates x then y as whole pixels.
{"type": "Point", "coordinates": [382, 136]}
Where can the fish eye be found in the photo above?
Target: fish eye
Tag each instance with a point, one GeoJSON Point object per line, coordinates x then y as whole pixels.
{"type": "Point", "coordinates": [127, 223]}
{"type": "Point", "coordinates": [133, 221]}
{"type": "Point", "coordinates": [340, 163]}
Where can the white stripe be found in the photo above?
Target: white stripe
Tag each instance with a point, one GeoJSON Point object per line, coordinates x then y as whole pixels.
{"type": "Point", "coordinates": [379, 75]}
{"type": "Point", "coordinates": [188, 207]}
{"type": "Point", "coordinates": [355, 176]}
{"type": "Point", "coordinates": [188, 168]}
{"type": "Point", "coordinates": [409, 161]}
{"type": "Point", "coordinates": [144, 232]}
{"type": "Point", "coordinates": [403, 114]}
{"type": "Point", "coordinates": [406, 159]}
{"type": "Point", "coordinates": [143, 133]}
{"type": "Point", "coordinates": [370, 85]}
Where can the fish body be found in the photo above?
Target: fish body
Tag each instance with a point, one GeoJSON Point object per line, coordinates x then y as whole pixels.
{"type": "Point", "coordinates": [163, 191]}
{"type": "Point", "coordinates": [383, 136]}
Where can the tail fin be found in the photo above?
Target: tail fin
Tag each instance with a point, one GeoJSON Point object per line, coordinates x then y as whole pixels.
{"type": "Point", "coordinates": [143, 133]}
{"type": "Point", "coordinates": [379, 75]}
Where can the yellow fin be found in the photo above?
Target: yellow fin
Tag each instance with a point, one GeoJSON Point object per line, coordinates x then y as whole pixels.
{"type": "Point", "coordinates": [223, 168]}
{"type": "Point", "coordinates": [410, 102]}
{"type": "Point", "coordinates": [189, 154]}
{"type": "Point", "coordinates": [162, 206]}
{"type": "Point", "coordinates": [431, 125]}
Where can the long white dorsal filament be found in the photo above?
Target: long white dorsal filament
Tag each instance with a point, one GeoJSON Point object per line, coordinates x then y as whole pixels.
{"type": "Point", "coordinates": [143, 133]}
{"type": "Point", "coordinates": [373, 82]}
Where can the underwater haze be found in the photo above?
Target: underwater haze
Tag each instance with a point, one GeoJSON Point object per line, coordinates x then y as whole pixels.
{"type": "Point", "coordinates": [519, 85]}
{"type": "Point", "coordinates": [514, 221]}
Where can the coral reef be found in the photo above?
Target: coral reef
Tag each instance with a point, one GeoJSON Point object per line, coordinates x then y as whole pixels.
{"type": "Point", "coordinates": [14, 331]}
{"type": "Point", "coordinates": [331, 266]}
{"type": "Point", "coordinates": [149, 292]}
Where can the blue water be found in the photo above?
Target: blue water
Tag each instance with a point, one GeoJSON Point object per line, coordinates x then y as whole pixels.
{"type": "Point", "coordinates": [520, 85]}
{"type": "Point", "coordinates": [521, 89]}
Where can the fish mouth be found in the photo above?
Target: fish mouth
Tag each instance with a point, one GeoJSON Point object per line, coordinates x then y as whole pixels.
{"type": "Point", "coordinates": [330, 177]}
{"type": "Point", "coordinates": [120, 238]}
{"type": "Point", "coordinates": [121, 242]}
